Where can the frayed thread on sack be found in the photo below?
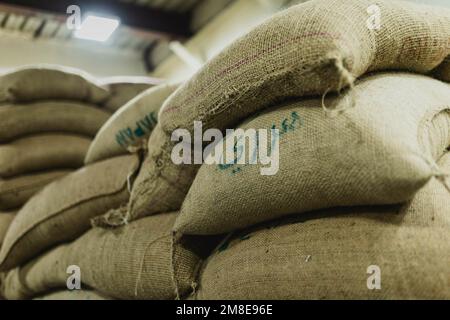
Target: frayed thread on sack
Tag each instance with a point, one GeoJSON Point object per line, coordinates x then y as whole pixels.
{"type": "Point", "coordinates": [134, 173]}
{"type": "Point", "coordinates": [147, 186]}
{"type": "Point", "coordinates": [112, 219]}
{"type": "Point", "coordinates": [141, 266]}
{"type": "Point", "coordinates": [176, 237]}
{"type": "Point", "coordinates": [117, 217]}
{"type": "Point", "coordinates": [346, 80]}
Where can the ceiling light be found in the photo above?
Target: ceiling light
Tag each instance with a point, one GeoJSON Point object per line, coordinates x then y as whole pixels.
{"type": "Point", "coordinates": [97, 28]}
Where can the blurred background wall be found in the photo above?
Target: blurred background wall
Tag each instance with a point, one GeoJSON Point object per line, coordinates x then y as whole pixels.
{"type": "Point", "coordinates": [157, 50]}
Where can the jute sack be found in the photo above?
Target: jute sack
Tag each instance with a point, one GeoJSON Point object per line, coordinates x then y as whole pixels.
{"type": "Point", "coordinates": [333, 254]}
{"type": "Point", "coordinates": [50, 116]}
{"type": "Point", "coordinates": [161, 185]}
{"type": "Point", "coordinates": [43, 82]}
{"type": "Point", "coordinates": [5, 221]}
{"type": "Point", "coordinates": [130, 126]}
{"type": "Point", "coordinates": [14, 192]}
{"type": "Point", "coordinates": [380, 152]}
{"type": "Point", "coordinates": [42, 152]}
{"type": "Point", "coordinates": [63, 209]}
{"type": "Point", "coordinates": [316, 47]}
{"type": "Point", "coordinates": [123, 89]}
{"type": "Point", "coordinates": [75, 295]}
{"type": "Point", "coordinates": [131, 262]}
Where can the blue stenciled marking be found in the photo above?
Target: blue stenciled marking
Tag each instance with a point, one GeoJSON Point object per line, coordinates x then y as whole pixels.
{"type": "Point", "coordinates": [144, 126]}
{"type": "Point", "coordinates": [288, 125]}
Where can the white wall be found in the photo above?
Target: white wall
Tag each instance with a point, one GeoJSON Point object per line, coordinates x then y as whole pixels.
{"type": "Point", "coordinates": [17, 51]}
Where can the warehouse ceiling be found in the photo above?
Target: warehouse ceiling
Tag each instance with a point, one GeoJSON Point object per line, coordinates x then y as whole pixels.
{"type": "Point", "coordinates": [144, 23]}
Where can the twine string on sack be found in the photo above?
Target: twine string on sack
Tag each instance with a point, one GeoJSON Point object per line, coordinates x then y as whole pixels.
{"type": "Point", "coordinates": [175, 239]}
{"type": "Point", "coordinates": [141, 265]}
{"type": "Point", "coordinates": [116, 218]}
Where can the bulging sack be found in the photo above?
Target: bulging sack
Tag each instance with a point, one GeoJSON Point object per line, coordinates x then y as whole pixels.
{"type": "Point", "coordinates": [132, 262]}
{"type": "Point", "coordinates": [63, 209]}
{"type": "Point", "coordinates": [50, 116]}
{"type": "Point", "coordinates": [161, 185]}
{"type": "Point", "coordinates": [42, 152]}
{"type": "Point", "coordinates": [380, 152]}
{"type": "Point", "coordinates": [310, 49]}
{"type": "Point", "coordinates": [340, 254]}
{"type": "Point", "coordinates": [14, 192]}
{"type": "Point", "coordinates": [123, 89]}
{"type": "Point", "coordinates": [130, 126]}
{"type": "Point", "coordinates": [43, 82]}
{"type": "Point", "coordinates": [5, 221]}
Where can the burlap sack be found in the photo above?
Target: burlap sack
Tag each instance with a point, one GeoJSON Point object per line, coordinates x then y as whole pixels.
{"type": "Point", "coordinates": [132, 262]}
{"type": "Point", "coordinates": [43, 82]}
{"type": "Point", "coordinates": [63, 209]}
{"type": "Point", "coordinates": [42, 152]}
{"type": "Point", "coordinates": [14, 192]}
{"type": "Point", "coordinates": [5, 221]}
{"type": "Point", "coordinates": [75, 295]}
{"type": "Point", "coordinates": [130, 126]}
{"type": "Point", "coordinates": [160, 186]}
{"type": "Point", "coordinates": [380, 152]}
{"type": "Point", "coordinates": [123, 89]}
{"type": "Point", "coordinates": [310, 49]}
{"type": "Point", "coordinates": [326, 255]}
{"type": "Point", "coordinates": [50, 116]}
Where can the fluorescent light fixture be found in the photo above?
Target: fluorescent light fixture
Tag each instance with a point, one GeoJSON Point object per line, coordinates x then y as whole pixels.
{"type": "Point", "coordinates": [97, 28]}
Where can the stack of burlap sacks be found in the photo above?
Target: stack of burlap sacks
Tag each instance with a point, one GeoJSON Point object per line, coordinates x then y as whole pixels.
{"type": "Point", "coordinates": [364, 127]}
{"type": "Point", "coordinates": [123, 89]}
{"type": "Point", "coordinates": [63, 210]}
{"type": "Point", "coordinates": [49, 117]}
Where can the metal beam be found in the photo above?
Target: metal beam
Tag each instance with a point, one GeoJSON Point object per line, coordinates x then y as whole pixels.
{"type": "Point", "coordinates": [140, 17]}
